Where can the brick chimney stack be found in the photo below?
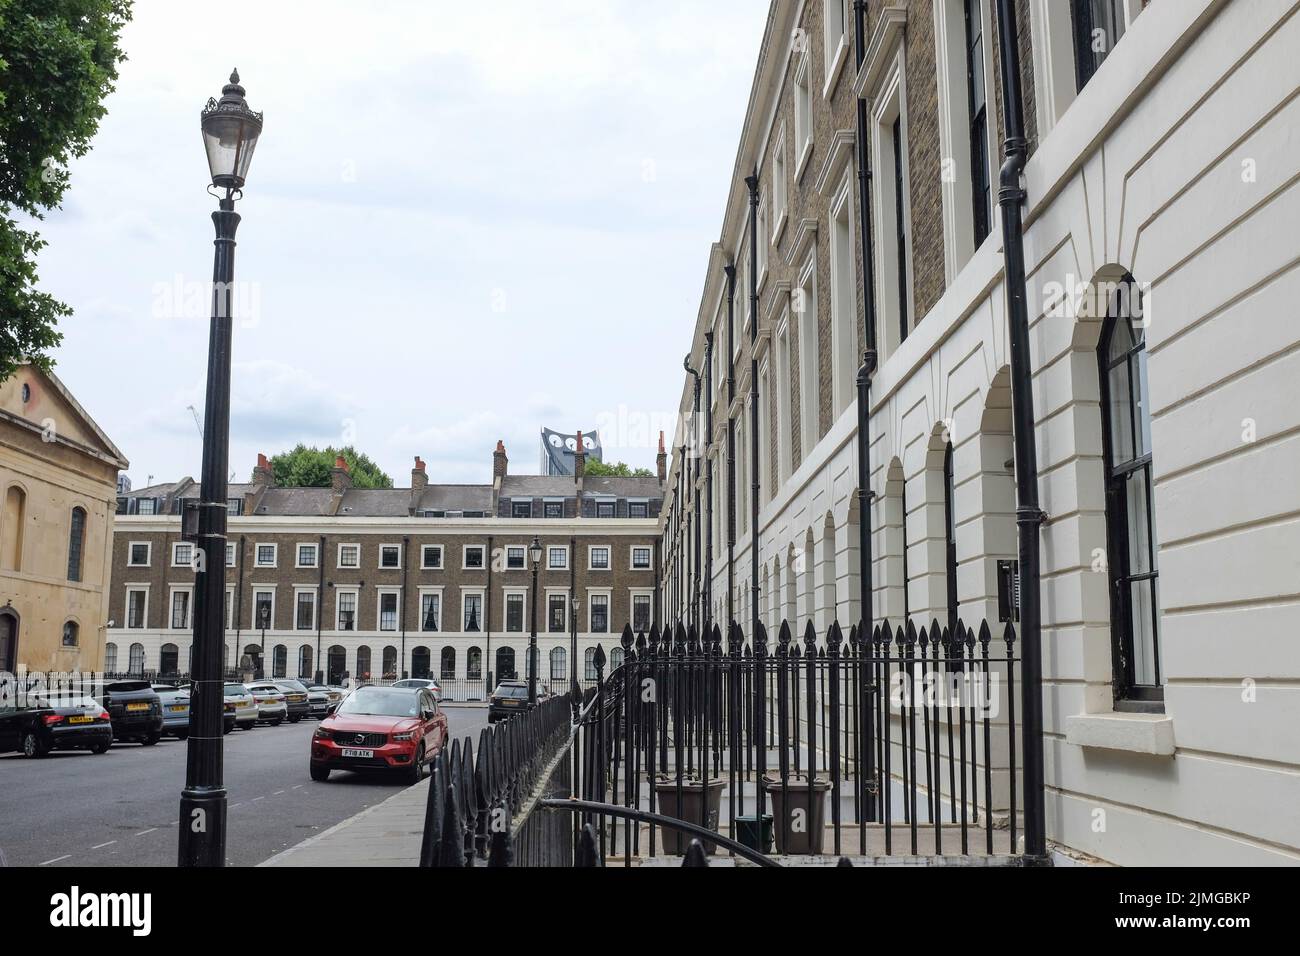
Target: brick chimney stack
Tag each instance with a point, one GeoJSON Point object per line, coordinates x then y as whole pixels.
{"type": "Point", "coordinates": [264, 474]}
{"type": "Point", "coordinates": [579, 460]}
{"type": "Point", "coordinates": [340, 478]}
{"type": "Point", "coordinates": [661, 461]}
{"type": "Point", "coordinates": [419, 481]}
{"type": "Point", "coordinates": [500, 463]}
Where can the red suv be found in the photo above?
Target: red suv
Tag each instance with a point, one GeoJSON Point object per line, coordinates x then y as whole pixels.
{"type": "Point", "coordinates": [380, 728]}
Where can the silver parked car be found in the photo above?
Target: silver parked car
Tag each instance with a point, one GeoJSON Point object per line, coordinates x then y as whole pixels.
{"type": "Point", "coordinates": [175, 710]}
{"type": "Point", "coordinates": [272, 707]}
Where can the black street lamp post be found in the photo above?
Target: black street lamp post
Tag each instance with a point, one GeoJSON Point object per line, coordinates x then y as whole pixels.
{"type": "Point", "coordinates": [573, 656]}
{"type": "Point", "coordinates": [230, 134]}
{"type": "Point", "coordinates": [535, 556]}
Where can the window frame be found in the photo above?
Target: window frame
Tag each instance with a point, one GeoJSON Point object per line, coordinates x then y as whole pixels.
{"type": "Point", "coordinates": [144, 611]}
{"type": "Point", "coordinates": [591, 557]}
{"type": "Point", "coordinates": [148, 553]}
{"type": "Point", "coordinates": [298, 592]}
{"type": "Point", "coordinates": [380, 594]}
{"type": "Point", "coordinates": [257, 555]}
{"type": "Point", "coordinates": [355, 594]}
{"type": "Point", "coordinates": [176, 546]}
{"type": "Point", "coordinates": [631, 557]}
{"type": "Point", "coordinates": [436, 596]}
{"type": "Point", "coordinates": [1128, 693]}
{"type": "Point", "coordinates": [255, 590]}
{"type": "Point", "coordinates": [424, 557]}
{"type": "Point", "coordinates": [465, 595]}
{"type": "Point", "coordinates": [188, 622]}
{"type": "Point", "coordinates": [383, 548]}
{"type": "Point", "coordinates": [343, 545]}
{"type": "Point", "coordinates": [464, 557]}
{"type": "Point", "coordinates": [297, 554]}
{"type": "Point", "coordinates": [550, 550]}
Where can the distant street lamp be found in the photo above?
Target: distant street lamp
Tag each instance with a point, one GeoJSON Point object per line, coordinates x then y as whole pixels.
{"type": "Point", "coordinates": [535, 557]}
{"type": "Point", "coordinates": [230, 134]}
{"type": "Point", "coordinates": [573, 656]}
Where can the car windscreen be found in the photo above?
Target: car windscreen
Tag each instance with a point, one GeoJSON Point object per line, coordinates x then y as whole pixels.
{"type": "Point", "coordinates": [57, 701]}
{"type": "Point", "coordinates": [236, 690]}
{"type": "Point", "coordinates": [128, 686]}
{"type": "Point", "coordinates": [382, 702]}
{"type": "Point", "coordinates": [292, 685]}
{"type": "Point", "coordinates": [508, 690]}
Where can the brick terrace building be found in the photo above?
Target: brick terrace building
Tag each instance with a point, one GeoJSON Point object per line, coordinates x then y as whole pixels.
{"type": "Point", "coordinates": [427, 580]}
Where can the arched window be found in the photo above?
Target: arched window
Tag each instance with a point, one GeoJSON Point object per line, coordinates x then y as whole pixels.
{"type": "Point", "coordinates": [110, 658]}
{"type": "Point", "coordinates": [304, 661]}
{"type": "Point", "coordinates": [11, 528]}
{"type": "Point", "coordinates": [447, 664]}
{"type": "Point", "coordinates": [76, 543]}
{"type": "Point", "coordinates": [135, 662]}
{"type": "Point", "coordinates": [280, 661]}
{"type": "Point", "coordinates": [589, 662]}
{"type": "Point", "coordinates": [71, 635]}
{"type": "Point", "coordinates": [615, 659]}
{"type": "Point", "coordinates": [390, 663]}
{"type": "Point", "coordinates": [950, 530]}
{"type": "Point", "coordinates": [1130, 516]}
{"type": "Point", "coordinates": [363, 663]}
{"type": "Point", "coordinates": [559, 664]}
{"type": "Point", "coordinates": [169, 658]}
{"type": "Point", "coordinates": [474, 663]}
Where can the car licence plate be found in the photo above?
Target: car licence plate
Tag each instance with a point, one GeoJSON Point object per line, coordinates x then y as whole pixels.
{"type": "Point", "coordinates": [177, 708]}
{"type": "Point", "coordinates": [359, 754]}
{"type": "Point", "coordinates": [136, 707]}
{"type": "Point", "coordinates": [81, 720]}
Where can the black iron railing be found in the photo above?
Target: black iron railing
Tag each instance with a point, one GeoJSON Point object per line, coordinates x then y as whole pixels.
{"type": "Point", "coordinates": [905, 742]}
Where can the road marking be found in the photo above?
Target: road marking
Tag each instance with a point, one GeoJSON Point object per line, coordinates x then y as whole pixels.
{"type": "Point", "coordinates": [277, 793]}
{"type": "Point", "coordinates": [255, 799]}
{"type": "Point", "coordinates": [296, 787]}
{"type": "Point", "coordinates": [234, 806]}
{"type": "Point", "coordinates": [102, 845]}
{"type": "Point", "coordinates": [143, 832]}
{"type": "Point", "coordinates": [57, 859]}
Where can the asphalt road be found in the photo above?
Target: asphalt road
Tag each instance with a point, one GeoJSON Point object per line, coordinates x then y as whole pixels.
{"type": "Point", "coordinates": [121, 808]}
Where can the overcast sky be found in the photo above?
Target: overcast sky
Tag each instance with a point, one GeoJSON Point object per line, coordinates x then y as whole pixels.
{"type": "Point", "coordinates": [464, 221]}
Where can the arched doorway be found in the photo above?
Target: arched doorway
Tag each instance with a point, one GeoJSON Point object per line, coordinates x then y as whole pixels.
{"type": "Point", "coordinates": [336, 665]}
{"type": "Point", "coordinates": [169, 659]}
{"type": "Point", "coordinates": [363, 663]}
{"type": "Point", "coordinates": [9, 642]}
{"type": "Point", "coordinates": [390, 663]}
{"type": "Point", "coordinates": [254, 654]}
{"type": "Point", "coordinates": [506, 664]}
{"type": "Point", "coordinates": [420, 663]}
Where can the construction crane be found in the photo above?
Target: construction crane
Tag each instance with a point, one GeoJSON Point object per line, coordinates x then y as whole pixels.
{"type": "Point", "coordinates": [197, 424]}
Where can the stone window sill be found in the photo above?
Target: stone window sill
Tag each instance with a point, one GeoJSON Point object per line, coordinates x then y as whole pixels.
{"type": "Point", "coordinates": [1136, 733]}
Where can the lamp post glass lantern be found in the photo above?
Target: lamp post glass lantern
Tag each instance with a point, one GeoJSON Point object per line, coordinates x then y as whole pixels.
{"type": "Point", "coordinates": [574, 692]}
{"type": "Point", "coordinates": [230, 134]}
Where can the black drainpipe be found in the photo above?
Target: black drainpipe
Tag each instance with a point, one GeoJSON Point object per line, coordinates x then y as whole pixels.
{"type": "Point", "coordinates": [1029, 516]}
{"type": "Point", "coordinates": [870, 357]}
{"type": "Point", "coordinates": [731, 447]}
{"type": "Point", "coordinates": [695, 617]}
{"type": "Point", "coordinates": [708, 446]}
{"type": "Point", "coordinates": [320, 612]}
{"type": "Point", "coordinates": [752, 183]}
{"type": "Point", "coordinates": [487, 624]}
{"type": "Point", "coordinates": [239, 600]}
{"type": "Point", "coordinates": [406, 563]}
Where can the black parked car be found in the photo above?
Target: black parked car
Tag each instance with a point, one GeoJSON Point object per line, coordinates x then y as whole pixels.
{"type": "Point", "coordinates": [61, 723]}
{"type": "Point", "coordinates": [295, 697]}
{"type": "Point", "coordinates": [510, 698]}
{"type": "Point", "coordinates": [136, 711]}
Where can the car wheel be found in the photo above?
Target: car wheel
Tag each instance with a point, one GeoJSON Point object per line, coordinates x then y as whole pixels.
{"type": "Point", "coordinates": [295, 719]}
{"type": "Point", "coordinates": [416, 773]}
{"type": "Point", "coordinates": [320, 774]}
{"type": "Point", "coordinates": [248, 726]}
{"type": "Point", "coordinates": [226, 728]}
{"type": "Point", "coordinates": [100, 749]}
{"type": "Point", "coordinates": [32, 745]}
{"type": "Point", "coordinates": [182, 735]}
{"type": "Point", "coordinates": [150, 740]}
{"type": "Point", "coordinates": [277, 722]}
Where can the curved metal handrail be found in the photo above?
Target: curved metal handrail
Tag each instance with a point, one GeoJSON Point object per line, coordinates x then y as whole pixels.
{"type": "Point", "coordinates": [671, 823]}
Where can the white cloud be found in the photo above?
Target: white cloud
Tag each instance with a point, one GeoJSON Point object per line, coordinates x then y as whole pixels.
{"type": "Point", "coordinates": [449, 221]}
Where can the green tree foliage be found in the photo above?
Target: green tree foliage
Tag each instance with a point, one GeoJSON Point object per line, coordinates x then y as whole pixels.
{"type": "Point", "coordinates": [305, 467]}
{"type": "Point", "coordinates": [58, 61]}
{"type": "Point", "coordinates": [600, 469]}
